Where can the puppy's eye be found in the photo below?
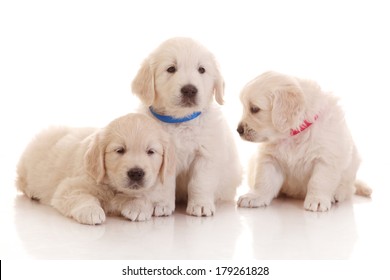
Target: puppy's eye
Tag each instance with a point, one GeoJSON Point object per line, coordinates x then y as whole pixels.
{"type": "Point", "coordinates": [201, 70]}
{"type": "Point", "coordinates": [254, 109]}
{"type": "Point", "coordinates": [120, 150]}
{"type": "Point", "coordinates": [150, 152]}
{"type": "Point", "coordinates": [171, 69]}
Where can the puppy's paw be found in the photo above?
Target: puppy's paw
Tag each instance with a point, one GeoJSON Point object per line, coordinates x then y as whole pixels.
{"type": "Point", "coordinates": [253, 200]}
{"type": "Point", "coordinates": [89, 215]}
{"type": "Point", "coordinates": [161, 209]}
{"type": "Point", "coordinates": [200, 209]}
{"type": "Point", "coordinates": [138, 210]}
{"type": "Point", "coordinates": [342, 194]}
{"type": "Point", "coordinates": [317, 204]}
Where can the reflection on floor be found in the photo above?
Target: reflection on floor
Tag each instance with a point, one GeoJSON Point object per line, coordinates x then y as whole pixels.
{"type": "Point", "coordinates": [281, 231]}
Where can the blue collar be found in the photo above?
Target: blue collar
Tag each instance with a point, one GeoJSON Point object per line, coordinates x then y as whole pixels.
{"type": "Point", "coordinates": [170, 119]}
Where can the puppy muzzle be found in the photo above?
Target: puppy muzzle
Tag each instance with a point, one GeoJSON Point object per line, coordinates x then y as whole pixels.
{"type": "Point", "coordinates": [136, 177]}
{"type": "Point", "coordinates": [188, 95]}
{"type": "Point", "coordinates": [245, 132]}
{"type": "Point", "coordinates": [240, 129]}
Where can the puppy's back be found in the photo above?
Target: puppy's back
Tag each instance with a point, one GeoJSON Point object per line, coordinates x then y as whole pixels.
{"type": "Point", "coordinates": [47, 160]}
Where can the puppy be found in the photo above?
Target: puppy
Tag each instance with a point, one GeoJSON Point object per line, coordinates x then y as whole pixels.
{"type": "Point", "coordinates": [126, 168]}
{"type": "Point", "coordinates": [307, 150]}
{"type": "Point", "coordinates": [176, 85]}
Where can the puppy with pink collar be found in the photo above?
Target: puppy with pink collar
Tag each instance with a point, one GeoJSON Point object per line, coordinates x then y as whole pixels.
{"type": "Point", "coordinates": [307, 149]}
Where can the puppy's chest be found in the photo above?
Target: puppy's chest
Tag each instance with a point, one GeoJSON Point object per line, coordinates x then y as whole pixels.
{"type": "Point", "coordinates": [296, 161]}
{"type": "Point", "coordinates": [188, 143]}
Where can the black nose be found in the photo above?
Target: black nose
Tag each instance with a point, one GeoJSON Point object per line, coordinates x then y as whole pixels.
{"type": "Point", "coordinates": [240, 129]}
{"type": "Point", "coordinates": [189, 91]}
{"type": "Point", "coordinates": [136, 174]}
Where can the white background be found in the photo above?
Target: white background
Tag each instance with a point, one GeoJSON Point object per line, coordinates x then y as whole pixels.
{"type": "Point", "coordinates": [72, 63]}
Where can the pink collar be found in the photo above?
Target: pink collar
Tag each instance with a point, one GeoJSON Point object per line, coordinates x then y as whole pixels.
{"type": "Point", "coordinates": [302, 127]}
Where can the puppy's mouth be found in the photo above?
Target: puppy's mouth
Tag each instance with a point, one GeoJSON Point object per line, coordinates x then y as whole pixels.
{"type": "Point", "coordinates": [251, 135]}
{"type": "Point", "coordinates": [135, 186]}
{"type": "Point", "coordinates": [188, 102]}
{"type": "Point", "coordinates": [248, 137]}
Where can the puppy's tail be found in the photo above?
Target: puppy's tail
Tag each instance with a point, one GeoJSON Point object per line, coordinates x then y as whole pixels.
{"type": "Point", "coordinates": [362, 189]}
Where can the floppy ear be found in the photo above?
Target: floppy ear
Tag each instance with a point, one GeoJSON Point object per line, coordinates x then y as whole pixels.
{"type": "Point", "coordinates": [168, 166]}
{"type": "Point", "coordinates": [288, 108]}
{"type": "Point", "coordinates": [94, 159]}
{"type": "Point", "coordinates": [143, 83]}
{"type": "Point", "coordinates": [219, 88]}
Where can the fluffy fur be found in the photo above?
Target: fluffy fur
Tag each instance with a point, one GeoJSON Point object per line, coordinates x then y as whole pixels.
{"type": "Point", "coordinates": [126, 168]}
{"type": "Point", "coordinates": [319, 163]}
{"type": "Point", "coordinates": [181, 77]}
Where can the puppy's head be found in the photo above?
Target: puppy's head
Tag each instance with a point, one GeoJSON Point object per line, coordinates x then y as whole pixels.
{"type": "Point", "coordinates": [273, 105]}
{"type": "Point", "coordinates": [132, 153]}
{"type": "Point", "coordinates": [178, 78]}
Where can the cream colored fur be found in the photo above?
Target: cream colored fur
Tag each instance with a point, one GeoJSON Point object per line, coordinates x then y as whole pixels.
{"type": "Point", "coordinates": [83, 172]}
{"type": "Point", "coordinates": [318, 164]}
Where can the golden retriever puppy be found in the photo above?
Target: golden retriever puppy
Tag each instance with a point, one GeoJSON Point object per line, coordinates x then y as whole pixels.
{"type": "Point", "coordinates": [307, 149]}
{"type": "Point", "coordinates": [177, 84]}
{"type": "Point", "coordinates": [126, 168]}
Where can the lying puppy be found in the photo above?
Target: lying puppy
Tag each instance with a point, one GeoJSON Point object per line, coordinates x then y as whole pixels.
{"type": "Point", "coordinates": [125, 168]}
{"type": "Point", "coordinates": [176, 85]}
{"type": "Point", "coordinates": [307, 150]}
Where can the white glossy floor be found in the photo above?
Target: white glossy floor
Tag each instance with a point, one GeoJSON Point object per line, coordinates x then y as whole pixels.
{"type": "Point", "coordinates": [356, 229]}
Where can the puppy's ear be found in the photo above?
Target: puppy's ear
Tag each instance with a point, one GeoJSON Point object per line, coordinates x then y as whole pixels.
{"type": "Point", "coordinates": [288, 108]}
{"type": "Point", "coordinates": [168, 166]}
{"type": "Point", "coordinates": [94, 159]}
{"type": "Point", "coordinates": [219, 88]}
{"type": "Point", "coordinates": [143, 83]}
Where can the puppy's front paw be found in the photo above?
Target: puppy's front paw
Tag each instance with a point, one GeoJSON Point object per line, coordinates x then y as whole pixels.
{"type": "Point", "coordinates": [89, 215]}
{"type": "Point", "coordinates": [138, 210]}
{"type": "Point", "coordinates": [200, 209]}
{"type": "Point", "coordinates": [317, 204]}
{"type": "Point", "coordinates": [253, 200]}
{"type": "Point", "coordinates": [163, 210]}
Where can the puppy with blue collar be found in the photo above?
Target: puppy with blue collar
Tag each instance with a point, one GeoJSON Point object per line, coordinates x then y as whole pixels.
{"type": "Point", "coordinates": [177, 85]}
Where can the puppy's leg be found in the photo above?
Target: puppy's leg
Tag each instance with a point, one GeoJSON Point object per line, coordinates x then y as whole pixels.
{"type": "Point", "coordinates": [321, 187]}
{"type": "Point", "coordinates": [344, 191]}
{"type": "Point", "coordinates": [133, 208]}
{"type": "Point", "coordinates": [265, 186]}
{"type": "Point", "coordinates": [202, 187]}
{"type": "Point", "coordinates": [163, 198]}
{"type": "Point", "coordinates": [348, 182]}
{"type": "Point", "coordinates": [72, 200]}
